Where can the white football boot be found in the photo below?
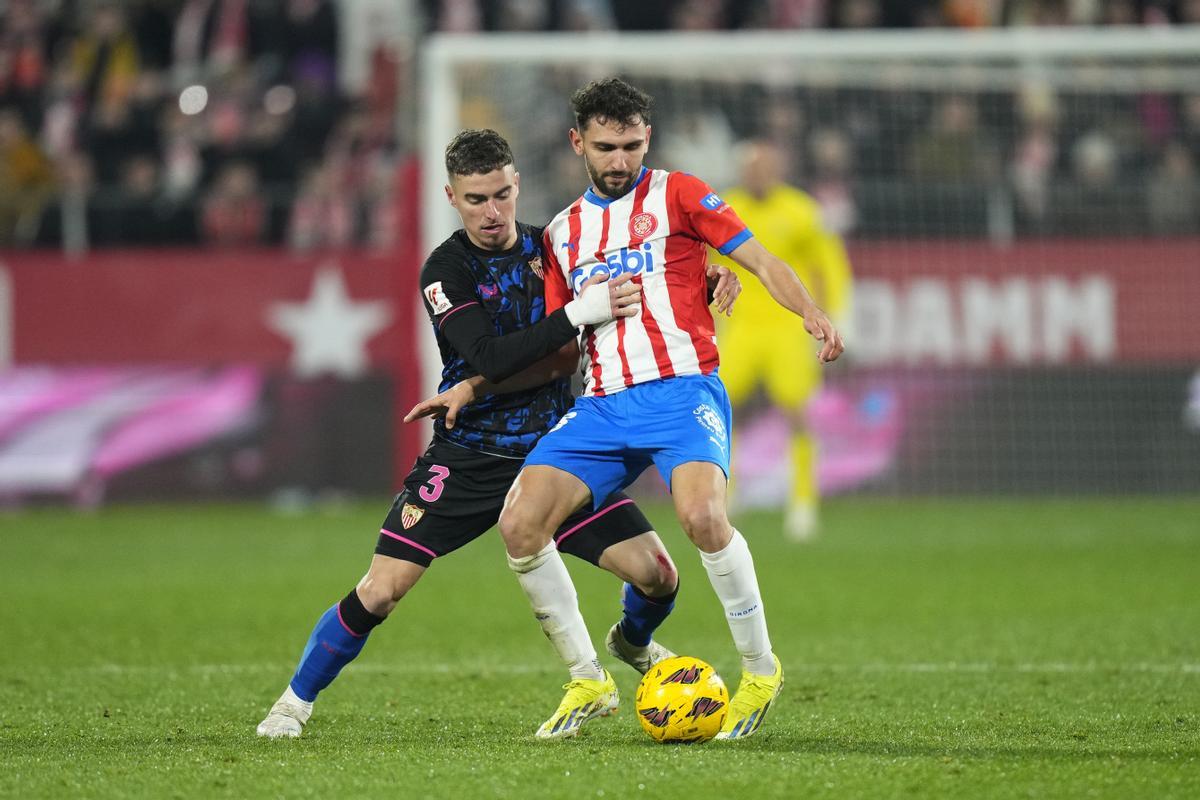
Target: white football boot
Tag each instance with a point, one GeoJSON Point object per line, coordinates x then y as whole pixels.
{"type": "Point", "coordinates": [640, 658]}
{"type": "Point", "coordinates": [287, 717]}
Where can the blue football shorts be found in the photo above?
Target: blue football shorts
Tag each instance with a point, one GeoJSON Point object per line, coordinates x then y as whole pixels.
{"type": "Point", "coordinates": [607, 442]}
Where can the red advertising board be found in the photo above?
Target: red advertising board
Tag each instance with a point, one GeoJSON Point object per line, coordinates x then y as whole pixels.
{"type": "Point", "coordinates": [341, 315]}
{"type": "Point", "coordinates": [1090, 319]}
{"type": "Point", "coordinates": [191, 306]}
{"type": "Point", "coordinates": [916, 303]}
{"type": "Point", "coordinates": [1036, 302]}
{"type": "Point", "coordinates": [965, 304]}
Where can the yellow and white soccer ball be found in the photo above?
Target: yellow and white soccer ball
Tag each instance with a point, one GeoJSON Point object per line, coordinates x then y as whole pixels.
{"type": "Point", "coordinates": [682, 700]}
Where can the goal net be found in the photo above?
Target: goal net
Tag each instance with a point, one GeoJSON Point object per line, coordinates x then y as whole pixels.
{"type": "Point", "coordinates": [1020, 209]}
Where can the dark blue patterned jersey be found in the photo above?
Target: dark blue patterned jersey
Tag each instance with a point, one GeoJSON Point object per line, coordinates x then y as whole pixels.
{"type": "Point", "coordinates": [489, 316]}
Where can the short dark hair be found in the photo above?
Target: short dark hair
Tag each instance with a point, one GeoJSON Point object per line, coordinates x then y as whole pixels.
{"type": "Point", "coordinates": [477, 152]}
{"type": "Point", "coordinates": [610, 100]}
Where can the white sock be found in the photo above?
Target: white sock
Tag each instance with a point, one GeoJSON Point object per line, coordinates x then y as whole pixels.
{"type": "Point", "coordinates": [731, 573]}
{"type": "Point", "coordinates": [551, 593]}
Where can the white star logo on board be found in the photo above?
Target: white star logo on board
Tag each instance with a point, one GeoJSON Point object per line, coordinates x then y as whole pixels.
{"type": "Point", "coordinates": [329, 331]}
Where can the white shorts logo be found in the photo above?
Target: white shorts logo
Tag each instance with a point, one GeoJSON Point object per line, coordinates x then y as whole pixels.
{"type": "Point", "coordinates": [437, 298]}
{"type": "Point", "coordinates": [710, 420]}
{"type": "Point", "coordinates": [565, 419]}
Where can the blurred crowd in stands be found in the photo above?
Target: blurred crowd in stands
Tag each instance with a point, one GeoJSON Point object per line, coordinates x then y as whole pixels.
{"type": "Point", "coordinates": [886, 158]}
{"type": "Point", "coordinates": [232, 122]}
{"type": "Point", "coordinates": [661, 15]}
{"type": "Point", "coordinates": [243, 122]}
{"type": "Point", "coordinates": [1032, 160]}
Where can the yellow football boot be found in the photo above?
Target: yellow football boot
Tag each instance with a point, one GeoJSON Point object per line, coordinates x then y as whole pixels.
{"type": "Point", "coordinates": [749, 706]}
{"type": "Point", "coordinates": [584, 700]}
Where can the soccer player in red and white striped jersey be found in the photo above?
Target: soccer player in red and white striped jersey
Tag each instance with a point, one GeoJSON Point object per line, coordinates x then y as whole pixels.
{"type": "Point", "coordinates": [652, 395]}
{"type": "Point", "coordinates": [659, 232]}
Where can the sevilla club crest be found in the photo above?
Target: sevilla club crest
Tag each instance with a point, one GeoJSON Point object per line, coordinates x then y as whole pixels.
{"type": "Point", "coordinates": [535, 264]}
{"type": "Point", "coordinates": [642, 225]}
{"type": "Point", "coordinates": [410, 515]}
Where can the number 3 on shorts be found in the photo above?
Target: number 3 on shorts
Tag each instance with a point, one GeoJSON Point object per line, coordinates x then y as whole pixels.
{"type": "Point", "coordinates": [431, 490]}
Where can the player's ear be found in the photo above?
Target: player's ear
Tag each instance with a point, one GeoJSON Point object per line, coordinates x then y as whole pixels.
{"type": "Point", "coordinates": [576, 141]}
{"type": "Point", "coordinates": [648, 129]}
{"type": "Point", "coordinates": [516, 184]}
{"type": "Point", "coordinates": [450, 195]}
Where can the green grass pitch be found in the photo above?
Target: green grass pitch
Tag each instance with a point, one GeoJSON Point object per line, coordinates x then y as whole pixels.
{"type": "Point", "coordinates": [933, 648]}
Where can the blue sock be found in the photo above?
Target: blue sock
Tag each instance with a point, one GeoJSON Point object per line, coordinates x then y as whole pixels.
{"type": "Point", "coordinates": [332, 646]}
{"type": "Point", "coordinates": [643, 614]}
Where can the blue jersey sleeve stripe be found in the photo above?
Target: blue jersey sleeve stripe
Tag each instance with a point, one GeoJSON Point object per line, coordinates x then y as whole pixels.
{"type": "Point", "coordinates": [735, 242]}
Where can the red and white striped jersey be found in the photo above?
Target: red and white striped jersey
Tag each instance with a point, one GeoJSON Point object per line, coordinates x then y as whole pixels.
{"type": "Point", "coordinates": [660, 232]}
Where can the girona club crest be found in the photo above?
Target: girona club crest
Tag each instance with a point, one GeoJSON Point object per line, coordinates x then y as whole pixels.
{"type": "Point", "coordinates": [535, 264]}
{"type": "Point", "coordinates": [410, 515]}
{"type": "Point", "coordinates": [642, 225]}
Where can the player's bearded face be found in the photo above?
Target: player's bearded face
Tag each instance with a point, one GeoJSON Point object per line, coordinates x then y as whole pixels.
{"type": "Point", "coordinates": [613, 155]}
{"type": "Point", "coordinates": [487, 205]}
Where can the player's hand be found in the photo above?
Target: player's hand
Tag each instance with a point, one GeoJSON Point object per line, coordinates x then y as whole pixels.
{"type": "Point", "coordinates": [447, 404]}
{"type": "Point", "coordinates": [728, 287]}
{"type": "Point", "coordinates": [596, 304]}
{"type": "Point", "coordinates": [817, 323]}
{"type": "Point", "coordinates": [624, 295]}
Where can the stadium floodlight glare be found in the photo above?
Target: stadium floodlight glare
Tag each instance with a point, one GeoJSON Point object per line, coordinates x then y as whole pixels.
{"type": "Point", "coordinates": [193, 99]}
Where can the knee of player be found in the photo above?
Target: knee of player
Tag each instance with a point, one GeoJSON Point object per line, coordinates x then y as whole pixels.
{"type": "Point", "coordinates": [703, 522]}
{"type": "Point", "coordinates": [662, 578]}
{"type": "Point", "coordinates": [379, 595]}
{"type": "Point", "coordinates": [521, 532]}
{"type": "Point", "coordinates": [510, 524]}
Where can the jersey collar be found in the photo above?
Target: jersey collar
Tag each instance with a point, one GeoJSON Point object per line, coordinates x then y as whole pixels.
{"type": "Point", "coordinates": [604, 202]}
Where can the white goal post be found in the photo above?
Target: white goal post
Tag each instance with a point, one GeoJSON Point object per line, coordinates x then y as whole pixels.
{"type": "Point", "coordinates": [989, 58]}
{"type": "Point", "coordinates": [1013, 246]}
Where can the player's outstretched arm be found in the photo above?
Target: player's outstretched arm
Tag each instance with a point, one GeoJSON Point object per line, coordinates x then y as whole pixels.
{"type": "Point", "coordinates": [447, 404]}
{"type": "Point", "coordinates": [560, 364]}
{"type": "Point", "coordinates": [789, 291]}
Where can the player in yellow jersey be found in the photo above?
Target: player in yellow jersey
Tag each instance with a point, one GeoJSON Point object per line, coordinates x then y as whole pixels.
{"type": "Point", "coordinates": [766, 345]}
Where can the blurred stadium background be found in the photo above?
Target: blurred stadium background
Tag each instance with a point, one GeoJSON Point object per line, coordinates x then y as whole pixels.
{"type": "Point", "coordinates": [212, 213]}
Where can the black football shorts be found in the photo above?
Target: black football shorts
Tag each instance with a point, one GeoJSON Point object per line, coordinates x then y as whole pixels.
{"type": "Point", "coordinates": [454, 495]}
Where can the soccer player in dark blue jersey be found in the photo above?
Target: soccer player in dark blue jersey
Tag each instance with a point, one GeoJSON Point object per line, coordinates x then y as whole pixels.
{"type": "Point", "coordinates": [483, 291]}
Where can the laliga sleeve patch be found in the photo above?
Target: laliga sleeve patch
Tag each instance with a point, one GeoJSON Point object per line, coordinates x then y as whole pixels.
{"type": "Point", "coordinates": [437, 298]}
